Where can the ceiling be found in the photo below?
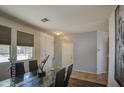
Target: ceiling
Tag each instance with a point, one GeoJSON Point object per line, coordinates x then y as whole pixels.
{"type": "Point", "coordinates": [63, 18]}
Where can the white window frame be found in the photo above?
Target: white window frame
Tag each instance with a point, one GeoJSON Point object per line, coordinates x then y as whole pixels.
{"type": "Point", "coordinates": [27, 58]}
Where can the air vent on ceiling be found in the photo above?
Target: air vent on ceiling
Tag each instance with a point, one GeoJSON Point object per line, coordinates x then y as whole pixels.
{"type": "Point", "coordinates": [44, 20]}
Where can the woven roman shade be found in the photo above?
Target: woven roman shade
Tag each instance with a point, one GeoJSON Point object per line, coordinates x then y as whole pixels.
{"type": "Point", "coordinates": [5, 35]}
{"type": "Point", "coordinates": [25, 39]}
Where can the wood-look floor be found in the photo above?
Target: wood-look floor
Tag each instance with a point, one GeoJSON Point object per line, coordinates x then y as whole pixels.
{"type": "Point", "coordinates": [99, 79]}
{"type": "Point", "coordinates": [83, 83]}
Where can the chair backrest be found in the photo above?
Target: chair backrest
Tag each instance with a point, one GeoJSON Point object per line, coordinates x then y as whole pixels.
{"type": "Point", "coordinates": [68, 75]}
{"type": "Point", "coordinates": [19, 68]}
{"type": "Point", "coordinates": [60, 75]}
{"type": "Point", "coordinates": [5, 71]}
{"type": "Point", "coordinates": [33, 66]}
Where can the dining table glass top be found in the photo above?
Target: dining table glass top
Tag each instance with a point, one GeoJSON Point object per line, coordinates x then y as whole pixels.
{"type": "Point", "coordinates": [32, 79]}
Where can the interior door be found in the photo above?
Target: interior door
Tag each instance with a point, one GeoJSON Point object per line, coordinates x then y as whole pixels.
{"type": "Point", "coordinates": [67, 54]}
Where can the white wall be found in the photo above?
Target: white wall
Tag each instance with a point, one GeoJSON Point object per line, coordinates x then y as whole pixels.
{"type": "Point", "coordinates": [47, 48]}
{"type": "Point", "coordinates": [67, 54]}
{"type": "Point", "coordinates": [58, 52]}
{"type": "Point", "coordinates": [111, 80]}
{"type": "Point", "coordinates": [102, 52]}
{"type": "Point", "coordinates": [102, 47]}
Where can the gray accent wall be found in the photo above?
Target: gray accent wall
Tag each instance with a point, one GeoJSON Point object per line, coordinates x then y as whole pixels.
{"type": "Point", "coordinates": [85, 51]}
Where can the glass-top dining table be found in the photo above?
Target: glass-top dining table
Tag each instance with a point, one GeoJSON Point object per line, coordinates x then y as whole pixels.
{"type": "Point", "coordinates": [32, 79]}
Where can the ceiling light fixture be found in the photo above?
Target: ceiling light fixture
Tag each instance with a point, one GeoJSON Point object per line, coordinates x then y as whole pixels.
{"type": "Point", "coordinates": [58, 33]}
{"type": "Point", "coordinates": [44, 19]}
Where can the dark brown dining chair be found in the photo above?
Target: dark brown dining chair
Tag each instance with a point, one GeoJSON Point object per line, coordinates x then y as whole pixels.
{"type": "Point", "coordinates": [66, 81]}
{"type": "Point", "coordinates": [33, 66]}
{"type": "Point", "coordinates": [60, 75]}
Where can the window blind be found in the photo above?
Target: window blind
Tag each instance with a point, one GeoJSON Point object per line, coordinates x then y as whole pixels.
{"type": "Point", "coordinates": [25, 39]}
{"type": "Point", "coordinates": [5, 35]}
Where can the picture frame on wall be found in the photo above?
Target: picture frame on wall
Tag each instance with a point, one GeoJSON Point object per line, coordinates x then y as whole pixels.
{"type": "Point", "coordinates": [119, 45]}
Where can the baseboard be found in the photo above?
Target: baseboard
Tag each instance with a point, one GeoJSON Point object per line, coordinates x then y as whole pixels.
{"type": "Point", "coordinates": [102, 73]}
{"type": "Point", "coordinates": [85, 71]}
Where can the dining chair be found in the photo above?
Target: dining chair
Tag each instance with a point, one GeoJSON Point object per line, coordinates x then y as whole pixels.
{"type": "Point", "coordinates": [60, 75]}
{"type": "Point", "coordinates": [33, 66]}
{"type": "Point", "coordinates": [66, 81]}
{"type": "Point", "coordinates": [19, 68]}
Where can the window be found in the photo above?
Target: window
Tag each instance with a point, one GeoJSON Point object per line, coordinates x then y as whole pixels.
{"type": "Point", "coordinates": [24, 52]}
{"type": "Point", "coordinates": [4, 53]}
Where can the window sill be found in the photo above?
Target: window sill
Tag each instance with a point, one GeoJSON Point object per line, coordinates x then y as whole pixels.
{"type": "Point", "coordinates": [25, 60]}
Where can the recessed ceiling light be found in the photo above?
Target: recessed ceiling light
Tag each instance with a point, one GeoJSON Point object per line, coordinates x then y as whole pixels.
{"type": "Point", "coordinates": [44, 19]}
